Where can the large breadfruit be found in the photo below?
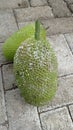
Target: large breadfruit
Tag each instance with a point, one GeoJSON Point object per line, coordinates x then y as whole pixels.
{"type": "Point", "coordinates": [12, 43]}
{"type": "Point", "coordinates": [35, 69]}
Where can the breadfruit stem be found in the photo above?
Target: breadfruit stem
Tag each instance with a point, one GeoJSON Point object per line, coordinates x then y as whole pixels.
{"type": "Point", "coordinates": [37, 30]}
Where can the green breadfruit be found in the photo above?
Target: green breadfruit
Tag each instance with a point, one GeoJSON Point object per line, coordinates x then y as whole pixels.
{"type": "Point", "coordinates": [12, 43]}
{"type": "Point", "coordinates": [35, 69]}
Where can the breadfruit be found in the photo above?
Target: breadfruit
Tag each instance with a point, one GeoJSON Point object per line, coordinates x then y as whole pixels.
{"type": "Point", "coordinates": [12, 43]}
{"type": "Point", "coordinates": [35, 70]}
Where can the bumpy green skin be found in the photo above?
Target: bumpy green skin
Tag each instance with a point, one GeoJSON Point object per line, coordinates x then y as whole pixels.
{"type": "Point", "coordinates": [35, 69]}
{"type": "Point", "coordinates": [12, 43]}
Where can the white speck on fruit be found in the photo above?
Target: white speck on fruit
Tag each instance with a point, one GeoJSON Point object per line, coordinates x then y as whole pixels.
{"type": "Point", "coordinates": [35, 54]}
{"type": "Point", "coordinates": [20, 47]}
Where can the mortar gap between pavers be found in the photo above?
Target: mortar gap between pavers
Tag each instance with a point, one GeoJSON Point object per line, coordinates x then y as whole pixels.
{"type": "Point", "coordinates": [7, 121]}
{"type": "Point", "coordinates": [15, 19]}
{"type": "Point", "coordinates": [69, 112]}
{"type": "Point", "coordinates": [3, 81]}
{"type": "Point", "coordinates": [39, 119]}
{"type": "Point", "coordinates": [66, 75]}
{"type": "Point", "coordinates": [11, 89]}
{"type": "Point", "coordinates": [55, 108]}
{"type": "Point", "coordinates": [58, 107]}
{"type": "Point", "coordinates": [7, 63]}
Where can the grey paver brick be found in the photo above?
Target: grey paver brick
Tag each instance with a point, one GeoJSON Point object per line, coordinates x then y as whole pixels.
{"type": "Point", "coordinates": [22, 116]}
{"type": "Point", "coordinates": [38, 2]}
{"type": "Point", "coordinates": [8, 76]}
{"type": "Point", "coordinates": [63, 53]}
{"type": "Point", "coordinates": [3, 127]}
{"type": "Point", "coordinates": [3, 116]}
{"type": "Point", "coordinates": [71, 110]}
{"type": "Point", "coordinates": [7, 24]}
{"type": "Point", "coordinates": [58, 25]}
{"type": "Point", "coordinates": [2, 58]}
{"type": "Point", "coordinates": [69, 38]}
{"type": "Point", "coordinates": [59, 8]}
{"type": "Point", "coordinates": [63, 96]}
{"type": "Point", "coordinates": [56, 120]}
{"type": "Point", "coordinates": [13, 3]}
{"type": "Point", "coordinates": [31, 13]}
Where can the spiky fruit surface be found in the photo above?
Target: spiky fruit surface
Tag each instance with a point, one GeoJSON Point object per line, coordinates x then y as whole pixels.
{"type": "Point", "coordinates": [35, 69]}
{"type": "Point", "coordinates": [12, 43]}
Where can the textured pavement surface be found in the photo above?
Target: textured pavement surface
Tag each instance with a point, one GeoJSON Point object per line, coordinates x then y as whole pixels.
{"type": "Point", "coordinates": [57, 18]}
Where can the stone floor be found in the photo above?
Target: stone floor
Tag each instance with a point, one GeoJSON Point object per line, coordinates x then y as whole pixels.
{"type": "Point", "coordinates": [57, 18]}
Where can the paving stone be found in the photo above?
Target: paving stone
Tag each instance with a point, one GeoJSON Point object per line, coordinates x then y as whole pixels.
{"type": "Point", "coordinates": [38, 2]}
{"type": "Point", "coordinates": [56, 120]}
{"type": "Point", "coordinates": [71, 110]}
{"type": "Point", "coordinates": [3, 127]}
{"type": "Point", "coordinates": [63, 53]}
{"type": "Point", "coordinates": [22, 116]}
{"type": "Point", "coordinates": [13, 3]}
{"type": "Point", "coordinates": [59, 8]}
{"type": "Point", "coordinates": [2, 58]}
{"type": "Point", "coordinates": [7, 24]}
{"type": "Point", "coordinates": [69, 38]}
{"type": "Point", "coordinates": [23, 15]}
{"type": "Point", "coordinates": [3, 116]}
{"type": "Point", "coordinates": [8, 76]}
{"type": "Point", "coordinates": [63, 96]}
{"type": "Point", "coordinates": [58, 25]}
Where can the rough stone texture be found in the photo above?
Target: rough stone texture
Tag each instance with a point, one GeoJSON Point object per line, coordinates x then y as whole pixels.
{"type": "Point", "coordinates": [69, 38]}
{"type": "Point", "coordinates": [58, 25]}
{"type": "Point", "coordinates": [8, 76]}
{"type": "Point", "coordinates": [31, 14]}
{"type": "Point", "coordinates": [7, 24]}
{"type": "Point", "coordinates": [3, 116]}
{"type": "Point", "coordinates": [71, 8]}
{"type": "Point", "coordinates": [70, 4]}
{"type": "Point", "coordinates": [59, 8]}
{"type": "Point", "coordinates": [3, 127]}
{"type": "Point", "coordinates": [57, 120]}
{"type": "Point", "coordinates": [63, 53]}
{"type": "Point", "coordinates": [38, 2]}
{"type": "Point", "coordinates": [64, 94]}
{"type": "Point", "coordinates": [13, 3]}
{"type": "Point", "coordinates": [71, 110]}
{"type": "Point", "coordinates": [2, 58]}
{"type": "Point", "coordinates": [69, 1]}
{"type": "Point", "coordinates": [22, 24]}
{"type": "Point", "coordinates": [22, 116]}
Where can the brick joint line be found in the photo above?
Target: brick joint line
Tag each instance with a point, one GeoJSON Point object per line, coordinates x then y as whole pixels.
{"type": "Point", "coordinates": [4, 100]}
{"type": "Point", "coordinates": [39, 119]}
{"type": "Point", "coordinates": [58, 107]}
{"type": "Point", "coordinates": [69, 113]}
{"type": "Point", "coordinates": [15, 18]}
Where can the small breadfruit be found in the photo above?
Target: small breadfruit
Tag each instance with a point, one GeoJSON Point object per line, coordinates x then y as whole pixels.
{"type": "Point", "coordinates": [35, 69]}
{"type": "Point", "coordinates": [12, 43]}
